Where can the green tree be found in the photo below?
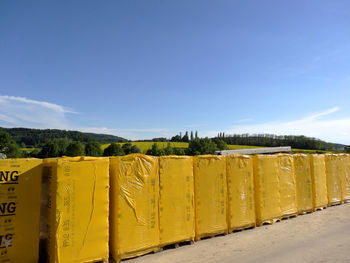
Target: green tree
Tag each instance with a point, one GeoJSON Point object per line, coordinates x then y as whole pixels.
{"type": "Point", "coordinates": [62, 144]}
{"type": "Point", "coordinates": [201, 146]}
{"type": "Point", "coordinates": [75, 149]}
{"type": "Point", "coordinates": [155, 150]}
{"type": "Point", "coordinates": [192, 136]}
{"type": "Point", "coordinates": [50, 149]}
{"type": "Point", "coordinates": [114, 149]}
{"type": "Point", "coordinates": [168, 150]}
{"type": "Point", "coordinates": [176, 138]}
{"type": "Point", "coordinates": [196, 135]}
{"type": "Point", "coordinates": [8, 146]}
{"type": "Point", "coordinates": [221, 144]}
{"type": "Point", "coordinates": [93, 149]}
{"type": "Point", "coordinates": [34, 153]}
{"type": "Point", "coordinates": [25, 154]}
{"type": "Point", "coordinates": [185, 138]}
{"type": "Point", "coordinates": [127, 148]}
{"type": "Point", "coordinates": [179, 151]}
{"type": "Point", "coordinates": [347, 149]}
{"type": "Point", "coordinates": [135, 149]}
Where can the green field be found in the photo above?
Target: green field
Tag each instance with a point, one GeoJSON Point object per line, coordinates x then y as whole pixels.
{"type": "Point", "coordinates": [308, 151]}
{"type": "Point", "coordinates": [144, 146]}
{"type": "Point", "coordinates": [28, 150]}
{"type": "Point", "coordinates": [238, 147]}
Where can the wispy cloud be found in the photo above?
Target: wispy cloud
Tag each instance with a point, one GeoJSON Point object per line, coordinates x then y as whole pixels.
{"type": "Point", "coordinates": [314, 125]}
{"type": "Point", "coordinates": [24, 112]}
{"type": "Point", "coordinates": [20, 111]}
{"type": "Point", "coordinates": [44, 104]}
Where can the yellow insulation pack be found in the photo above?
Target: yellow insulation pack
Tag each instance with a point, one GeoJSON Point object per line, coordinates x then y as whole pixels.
{"type": "Point", "coordinates": [240, 191]}
{"type": "Point", "coordinates": [210, 195]}
{"type": "Point", "coordinates": [333, 180]}
{"type": "Point", "coordinates": [78, 209]}
{"type": "Point", "coordinates": [343, 171]}
{"type": "Point", "coordinates": [134, 219]}
{"type": "Point", "coordinates": [20, 188]}
{"type": "Point", "coordinates": [176, 199]}
{"type": "Point", "coordinates": [319, 180]}
{"type": "Point", "coordinates": [267, 189]}
{"type": "Point", "coordinates": [346, 182]}
{"type": "Point", "coordinates": [304, 183]}
{"type": "Point", "coordinates": [287, 185]}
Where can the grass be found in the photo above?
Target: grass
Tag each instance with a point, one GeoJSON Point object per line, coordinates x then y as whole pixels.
{"type": "Point", "coordinates": [238, 147]}
{"type": "Point", "coordinates": [28, 150]}
{"type": "Point", "coordinates": [308, 151]}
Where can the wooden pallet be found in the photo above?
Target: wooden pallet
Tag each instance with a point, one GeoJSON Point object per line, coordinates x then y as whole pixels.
{"type": "Point", "coordinates": [239, 229]}
{"type": "Point", "coordinates": [305, 212]}
{"type": "Point", "coordinates": [320, 208]}
{"type": "Point", "coordinates": [269, 221]}
{"type": "Point", "coordinates": [284, 217]}
{"type": "Point", "coordinates": [125, 258]}
{"type": "Point", "coordinates": [211, 236]}
{"type": "Point", "coordinates": [335, 203]}
{"type": "Point", "coordinates": [177, 245]}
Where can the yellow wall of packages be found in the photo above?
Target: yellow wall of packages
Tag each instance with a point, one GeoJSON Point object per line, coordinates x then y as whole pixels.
{"type": "Point", "coordinates": [210, 195]}
{"type": "Point", "coordinates": [319, 180]}
{"type": "Point", "coordinates": [287, 184]}
{"type": "Point", "coordinates": [303, 179]}
{"type": "Point", "coordinates": [267, 189]}
{"type": "Point", "coordinates": [240, 191]}
{"type": "Point", "coordinates": [333, 179]}
{"type": "Point", "coordinates": [134, 200]}
{"type": "Point", "coordinates": [176, 199]}
{"type": "Point", "coordinates": [20, 188]}
{"type": "Point", "coordinates": [78, 209]}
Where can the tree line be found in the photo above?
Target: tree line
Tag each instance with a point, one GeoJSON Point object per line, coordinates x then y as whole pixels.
{"type": "Point", "coordinates": [196, 146]}
{"type": "Point", "coordinates": [68, 147]}
{"type": "Point", "coordinates": [185, 138]}
{"type": "Point", "coordinates": [36, 138]}
{"type": "Point", "coordinates": [271, 140]}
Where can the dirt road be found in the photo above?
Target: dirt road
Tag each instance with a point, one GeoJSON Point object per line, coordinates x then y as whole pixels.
{"type": "Point", "coordinates": [323, 236]}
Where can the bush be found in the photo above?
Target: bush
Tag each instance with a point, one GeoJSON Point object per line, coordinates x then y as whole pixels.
{"type": "Point", "coordinates": [93, 149]}
{"type": "Point", "coordinates": [50, 149]}
{"type": "Point", "coordinates": [75, 149]}
{"type": "Point", "coordinates": [9, 146]}
{"type": "Point", "coordinates": [155, 151]}
{"type": "Point", "coordinates": [113, 149]}
{"type": "Point", "coordinates": [201, 146]}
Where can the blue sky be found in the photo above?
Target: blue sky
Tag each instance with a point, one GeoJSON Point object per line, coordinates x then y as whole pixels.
{"type": "Point", "coordinates": [144, 69]}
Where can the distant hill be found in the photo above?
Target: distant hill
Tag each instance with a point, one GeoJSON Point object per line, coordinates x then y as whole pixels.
{"type": "Point", "coordinates": [37, 137]}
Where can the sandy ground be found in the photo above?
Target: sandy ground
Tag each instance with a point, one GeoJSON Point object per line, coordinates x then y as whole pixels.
{"type": "Point", "coordinates": [322, 236]}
